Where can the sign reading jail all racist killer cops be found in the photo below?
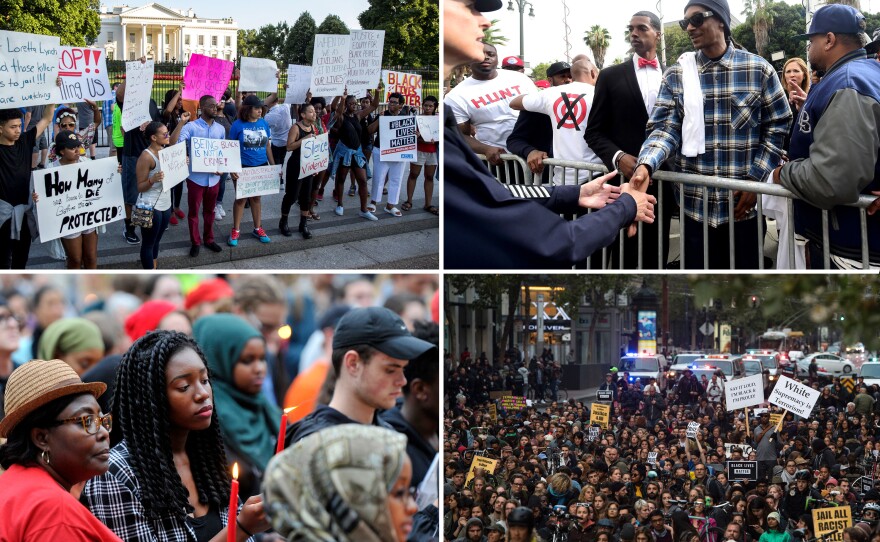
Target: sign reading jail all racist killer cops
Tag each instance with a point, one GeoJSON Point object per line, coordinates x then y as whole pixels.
{"type": "Point", "coordinates": [28, 69]}
{"type": "Point", "coordinates": [831, 522]}
{"type": "Point", "coordinates": [397, 138]}
{"type": "Point", "coordinates": [744, 392]}
{"type": "Point", "coordinates": [794, 397]}
{"type": "Point", "coordinates": [77, 197]}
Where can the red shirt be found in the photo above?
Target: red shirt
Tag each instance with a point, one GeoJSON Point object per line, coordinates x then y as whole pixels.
{"type": "Point", "coordinates": [33, 506]}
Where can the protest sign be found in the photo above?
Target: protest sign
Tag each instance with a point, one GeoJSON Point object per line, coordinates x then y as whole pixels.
{"type": "Point", "coordinates": [258, 181]}
{"type": "Point", "coordinates": [258, 75]}
{"type": "Point", "coordinates": [330, 64]}
{"type": "Point", "coordinates": [206, 76]}
{"type": "Point", "coordinates": [493, 413]}
{"type": "Point", "coordinates": [863, 484]}
{"type": "Point", "coordinates": [593, 434]}
{"type": "Point", "coordinates": [744, 392]}
{"type": "Point", "coordinates": [829, 523]}
{"type": "Point", "coordinates": [298, 80]}
{"type": "Point", "coordinates": [652, 458]}
{"type": "Point", "coordinates": [600, 414]}
{"type": "Point", "coordinates": [429, 127]}
{"type": "Point", "coordinates": [83, 74]}
{"type": "Point", "coordinates": [397, 138]}
{"type": "Point", "coordinates": [497, 394]}
{"type": "Point", "coordinates": [481, 462]}
{"type": "Point", "coordinates": [744, 448]}
{"type": "Point", "coordinates": [77, 197]}
{"type": "Point", "coordinates": [364, 60]}
{"type": "Point", "coordinates": [794, 396]}
{"type": "Point", "coordinates": [172, 160]}
{"type": "Point", "coordinates": [314, 155]}
{"type": "Point", "coordinates": [514, 402]}
{"type": "Point", "coordinates": [28, 69]}
{"type": "Point", "coordinates": [605, 395]}
{"type": "Point", "coordinates": [775, 419]}
{"type": "Point", "coordinates": [138, 88]}
{"type": "Point", "coordinates": [215, 155]}
{"type": "Point", "coordinates": [742, 470]}
{"type": "Point", "coordinates": [407, 84]}
{"type": "Point", "coordinates": [692, 429]}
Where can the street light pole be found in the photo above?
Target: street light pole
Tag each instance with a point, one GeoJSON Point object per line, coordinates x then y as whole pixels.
{"type": "Point", "coordinates": [521, 4]}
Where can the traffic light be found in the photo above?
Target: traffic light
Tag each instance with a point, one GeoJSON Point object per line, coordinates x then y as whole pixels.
{"type": "Point", "coordinates": [754, 301]}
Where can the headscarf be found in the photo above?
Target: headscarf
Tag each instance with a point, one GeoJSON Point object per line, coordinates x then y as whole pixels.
{"type": "Point", "coordinates": [67, 336]}
{"type": "Point", "coordinates": [249, 423]}
{"type": "Point", "coordinates": [147, 318]}
{"type": "Point", "coordinates": [333, 485]}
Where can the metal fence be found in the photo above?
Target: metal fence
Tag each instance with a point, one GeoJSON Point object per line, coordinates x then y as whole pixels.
{"type": "Point", "coordinates": [515, 170]}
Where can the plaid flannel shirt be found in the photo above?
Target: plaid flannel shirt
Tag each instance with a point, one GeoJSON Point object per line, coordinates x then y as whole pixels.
{"type": "Point", "coordinates": [747, 117]}
{"type": "Point", "coordinates": [115, 499]}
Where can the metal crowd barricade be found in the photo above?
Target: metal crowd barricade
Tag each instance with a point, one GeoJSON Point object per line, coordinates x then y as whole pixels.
{"type": "Point", "coordinates": [510, 164]}
{"type": "Point", "coordinates": [758, 188]}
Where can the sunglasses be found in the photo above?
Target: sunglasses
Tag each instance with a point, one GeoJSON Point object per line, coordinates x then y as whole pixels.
{"type": "Point", "coordinates": [697, 20]}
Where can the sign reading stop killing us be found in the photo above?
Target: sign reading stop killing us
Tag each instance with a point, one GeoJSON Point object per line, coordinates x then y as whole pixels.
{"type": "Point", "coordinates": [77, 197]}
{"type": "Point", "coordinates": [83, 73]}
{"type": "Point", "coordinates": [398, 138]}
{"type": "Point", "coordinates": [28, 69]}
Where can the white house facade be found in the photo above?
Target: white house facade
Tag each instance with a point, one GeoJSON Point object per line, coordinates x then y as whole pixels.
{"type": "Point", "coordinates": [164, 34]}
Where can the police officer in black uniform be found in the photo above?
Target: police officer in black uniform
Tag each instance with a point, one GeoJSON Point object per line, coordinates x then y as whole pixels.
{"type": "Point", "coordinates": [490, 226]}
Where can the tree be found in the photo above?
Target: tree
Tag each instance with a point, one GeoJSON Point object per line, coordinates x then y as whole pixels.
{"type": "Point", "coordinates": [412, 31]}
{"type": "Point", "coordinates": [762, 21]}
{"type": "Point", "coordinates": [247, 42]}
{"type": "Point", "coordinates": [678, 42]}
{"type": "Point", "coordinates": [489, 290]}
{"type": "Point", "coordinates": [493, 36]}
{"type": "Point", "coordinates": [597, 39]}
{"type": "Point", "coordinates": [300, 43]}
{"type": "Point", "coordinates": [540, 71]}
{"type": "Point", "coordinates": [269, 40]}
{"type": "Point", "coordinates": [788, 21]}
{"type": "Point", "coordinates": [75, 22]}
{"type": "Point", "coordinates": [332, 24]}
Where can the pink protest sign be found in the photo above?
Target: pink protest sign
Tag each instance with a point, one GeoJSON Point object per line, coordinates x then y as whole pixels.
{"type": "Point", "coordinates": [205, 75]}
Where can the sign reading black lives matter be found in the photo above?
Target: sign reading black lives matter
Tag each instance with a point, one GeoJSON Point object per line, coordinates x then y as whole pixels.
{"type": "Point", "coordinates": [742, 470]}
{"type": "Point", "coordinates": [398, 138]}
{"type": "Point", "coordinates": [794, 397]}
{"type": "Point", "coordinates": [77, 197]}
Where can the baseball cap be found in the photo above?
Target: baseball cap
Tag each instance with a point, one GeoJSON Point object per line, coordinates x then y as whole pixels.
{"type": "Point", "coordinates": [252, 100]}
{"type": "Point", "coordinates": [487, 5]}
{"type": "Point", "coordinates": [381, 329]}
{"type": "Point", "coordinates": [836, 18]}
{"type": "Point", "coordinates": [558, 67]}
{"type": "Point", "coordinates": [513, 62]}
{"type": "Point", "coordinates": [67, 140]}
{"type": "Point", "coordinates": [542, 83]}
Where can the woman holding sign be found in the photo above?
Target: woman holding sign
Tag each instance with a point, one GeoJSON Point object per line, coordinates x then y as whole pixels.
{"type": "Point", "coordinates": [296, 188]}
{"type": "Point", "coordinates": [252, 132]}
{"type": "Point", "coordinates": [149, 184]}
{"type": "Point", "coordinates": [349, 153]}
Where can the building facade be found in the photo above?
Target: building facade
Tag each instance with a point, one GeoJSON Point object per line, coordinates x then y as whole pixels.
{"type": "Point", "coordinates": [164, 34]}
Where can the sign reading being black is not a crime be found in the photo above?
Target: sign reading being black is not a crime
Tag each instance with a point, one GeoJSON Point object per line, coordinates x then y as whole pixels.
{"type": "Point", "coordinates": [742, 470]}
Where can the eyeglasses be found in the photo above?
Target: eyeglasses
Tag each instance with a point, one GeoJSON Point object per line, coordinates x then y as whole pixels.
{"type": "Point", "coordinates": [90, 423]}
{"type": "Point", "coordinates": [697, 20]}
{"type": "Point", "coordinates": [166, 134]}
{"type": "Point", "coordinates": [6, 319]}
{"type": "Point", "coordinates": [68, 125]}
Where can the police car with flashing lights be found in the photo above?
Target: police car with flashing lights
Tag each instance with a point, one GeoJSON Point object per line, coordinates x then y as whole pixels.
{"type": "Point", "coordinates": [729, 365]}
{"type": "Point", "coordinates": [644, 366]}
{"type": "Point", "coordinates": [770, 360]}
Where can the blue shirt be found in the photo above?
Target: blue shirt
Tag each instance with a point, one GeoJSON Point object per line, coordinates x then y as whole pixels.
{"type": "Point", "coordinates": [107, 109]}
{"type": "Point", "coordinates": [253, 137]}
{"type": "Point", "coordinates": [200, 128]}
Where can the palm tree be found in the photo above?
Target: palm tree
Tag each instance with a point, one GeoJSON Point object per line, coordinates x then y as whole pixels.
{"type": "Point", "coordinates": [492, 36]}
{"type": "Point", "coordinates": [597, 39]}
{"type": "Point", "coordinates": [762, 22]}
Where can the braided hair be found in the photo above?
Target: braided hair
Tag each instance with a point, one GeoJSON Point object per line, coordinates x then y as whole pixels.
{"type": "Point", "coordinates": [141, 405]}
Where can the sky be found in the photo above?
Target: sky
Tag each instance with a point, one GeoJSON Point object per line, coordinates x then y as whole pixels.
{"type": "Point", "coordinates": [545, 32]}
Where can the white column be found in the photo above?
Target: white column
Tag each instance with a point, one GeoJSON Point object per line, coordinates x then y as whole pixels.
{"type": "Point", "coordinates": [143, 40]}
{"type": "Point", "coordinates": [122, 50]}
{"type": "Point", "coordinates": [162, 45]}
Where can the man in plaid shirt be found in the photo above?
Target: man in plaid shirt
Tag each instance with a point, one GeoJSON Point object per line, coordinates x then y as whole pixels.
{"type": "Point", "coordinates": [745, 116]}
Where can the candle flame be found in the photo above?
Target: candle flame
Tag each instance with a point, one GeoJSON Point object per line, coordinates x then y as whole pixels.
{"type": "Point", "coordinates": [286, 410]}
{"type": "Point", "coordinates": [235, 471]}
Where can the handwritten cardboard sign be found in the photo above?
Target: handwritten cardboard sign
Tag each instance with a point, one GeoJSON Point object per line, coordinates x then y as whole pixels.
{"type": "Point", "coordinates": [481, 462]}
{"type": "Point", "coordinates": [398, 138]}
{"type": "Point", "coordinates": [172, 160]}
{"type": "Point", "coordinates": [829, 523]}
{"type": "Point", "coordinates": [593, 434]}
{"type": "Point", "coordinates": [138, 88]}
{"type": "Point", "coordinates": [744, 392]}
{"type": "Point", "coordinates": [77, 197]}
{"type": "Point", "coordinates": [600, 414]}
{"type": "Point", "coordinates": [215, 155]}
{"type": "Point", "coordinates": [407, 84]}
{"type": "Point", "coordinates": [794, 396]}
{"type": "Point", "coordinates": [429, 127]}
{"type": "Point", "coordinates": [206, 76]}
{"type": "Point", "coordinates": [83, 73]}
{"type": "Point", "coordinates": [258, 75]}
{"type": "Point", "coordinates": [258, 181]}
{"type": "Point", "coordinates": [513, 402]}
{"type": "Point", "coordinates": [330, 64]}
{"type": "Point", "coordinates": [298, 80]}
{"type": "Point", "coordinates": [314, 155]}
{"type": "Point", "coordinates": [365, 60]}
{"type": "Point", "coordinates": [692, 430]}
{"type": "Point", "coordinates": [28, 69]}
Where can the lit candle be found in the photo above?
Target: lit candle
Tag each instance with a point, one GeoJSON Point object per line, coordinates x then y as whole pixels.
{"type": "Point", "coordinates": [282, 431]}
{"type": "Point", "coordinates": [233, 505]}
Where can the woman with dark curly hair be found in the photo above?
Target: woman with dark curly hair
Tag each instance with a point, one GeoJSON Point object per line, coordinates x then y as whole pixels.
{"type": "Point", "coordinates": [167, 478]}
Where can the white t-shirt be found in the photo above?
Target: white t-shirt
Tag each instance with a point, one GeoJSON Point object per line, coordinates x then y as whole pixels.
{"type": "Point", "coordinates": [487, 104]}
{"type": "Point", "coordinates": [568, 107]}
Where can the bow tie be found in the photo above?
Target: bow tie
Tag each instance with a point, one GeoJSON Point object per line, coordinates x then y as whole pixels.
{"type": "Point", "coordinates": [643, 63]}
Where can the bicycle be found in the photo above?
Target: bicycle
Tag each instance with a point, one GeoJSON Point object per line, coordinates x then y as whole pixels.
{"type": "Point", "coordinates": [707, 533]}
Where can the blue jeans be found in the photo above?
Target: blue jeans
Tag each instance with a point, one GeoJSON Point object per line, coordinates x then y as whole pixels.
{"type": "Point", "coordinates": [150, 237]}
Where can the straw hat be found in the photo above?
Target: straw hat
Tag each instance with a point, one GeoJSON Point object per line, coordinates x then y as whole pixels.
{"type": "Point", "coordinates": [37, 383]}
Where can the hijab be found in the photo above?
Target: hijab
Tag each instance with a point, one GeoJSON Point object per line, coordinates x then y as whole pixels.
{"type": "Point", "coordinates": [333, 485]}
{"type": "Point", "coordinates": [248, 423]}
{"type": "Point", "coordinates": [67, 336]}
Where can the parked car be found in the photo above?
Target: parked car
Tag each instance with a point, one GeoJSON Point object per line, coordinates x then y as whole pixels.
{"type": "Point", "coordinates": [829, 365]}
{"type": "Point", "coordinates": [644, 366]}
{"type": "Point", "coordinates": [871, 372]}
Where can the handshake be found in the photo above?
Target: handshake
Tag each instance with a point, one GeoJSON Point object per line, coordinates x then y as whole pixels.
{"type": "Point", "coordinates": [596, 195]}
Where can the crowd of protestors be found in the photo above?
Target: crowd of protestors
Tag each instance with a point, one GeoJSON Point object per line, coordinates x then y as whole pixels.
{"type": "Point", "coordinates": [716, 111]}
{"type": "Point", "coordinates": [558, 477]}
{"type": "Point", "coordinates": [127, 401]}
{"type": "Point", "coordinates": [270, 133]}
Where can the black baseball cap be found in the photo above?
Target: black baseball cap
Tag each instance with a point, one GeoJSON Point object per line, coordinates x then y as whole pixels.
{"type": "Point", "coordinates": [66, 139]}
{"type": "Point", "coordinates": [380, 328]}
{"type": "Point", "coordinates": [487, 5]}
{"type": "Point", "coordinates": [558, 67]}
{"type": "Point", "coordinates": [252, 100]}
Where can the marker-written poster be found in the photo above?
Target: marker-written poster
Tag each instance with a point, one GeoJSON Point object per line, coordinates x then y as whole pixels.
{"type": "Point", "coordinates": [28, 69]}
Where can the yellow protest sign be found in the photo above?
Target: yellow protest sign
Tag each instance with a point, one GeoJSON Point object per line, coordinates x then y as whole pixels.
{"type": "Point", "coordinates": [493, 413]}
{"type": "Point", "coordinates": [483, 463]}
{"type": "Point", "coordinates": [832, 522]}
{"type": "Point", "coordinates": [600, 414]}
{"type": "Point", "coordinates": [513, 402]}
{"type": "Point", "coordinates": [776, 419]}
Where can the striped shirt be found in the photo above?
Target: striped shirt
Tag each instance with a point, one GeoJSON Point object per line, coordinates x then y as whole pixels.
{"type": "Point", "coordinates": [747, 117]}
